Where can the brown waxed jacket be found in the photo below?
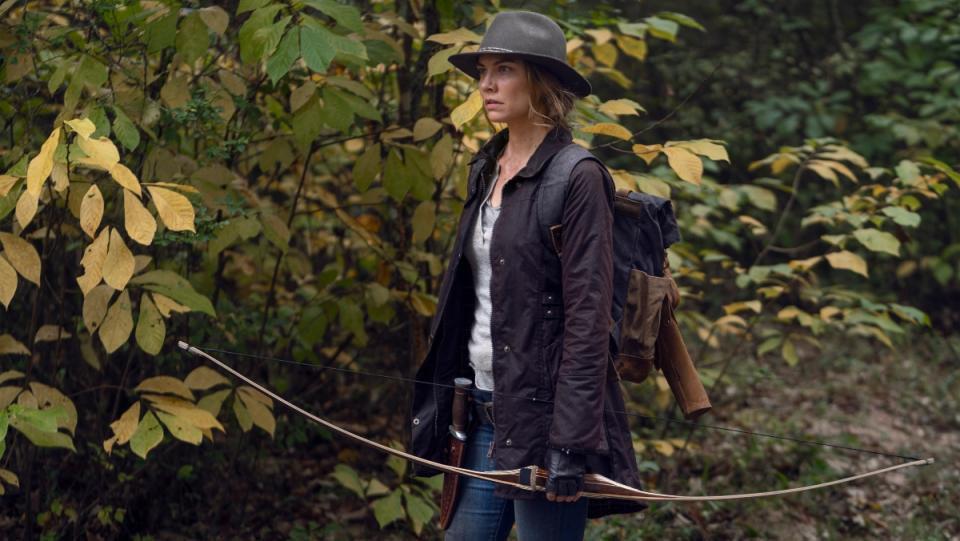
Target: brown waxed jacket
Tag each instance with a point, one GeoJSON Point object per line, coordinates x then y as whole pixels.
{"type": "Point", "coordinates": [555, 383]}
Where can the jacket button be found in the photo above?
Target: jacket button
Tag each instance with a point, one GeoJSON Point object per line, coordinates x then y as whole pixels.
{"type": "Point", "coordinates": [549, 298]}
{"type": "Point", "coordinates": [416, 421]}
{"type": "Point", "coordinates": [502, 261]}
{"type": "Point", "coordinates": [506, 349]}
{"type": "Point", "coordinates": [509, 442]}
{"type": "Point", "coordinates": [549, 312]}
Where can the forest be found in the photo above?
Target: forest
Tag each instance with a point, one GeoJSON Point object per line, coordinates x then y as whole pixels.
{"type": "Point", "coordinates": [278, 183]}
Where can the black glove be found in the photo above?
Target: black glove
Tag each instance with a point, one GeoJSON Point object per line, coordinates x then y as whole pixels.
{"type": "Point", "coordinates": [565, 475]}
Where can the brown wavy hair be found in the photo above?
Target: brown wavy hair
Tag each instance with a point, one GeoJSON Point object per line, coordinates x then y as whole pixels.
{"type": "Point", "coordinates": [550, 102]}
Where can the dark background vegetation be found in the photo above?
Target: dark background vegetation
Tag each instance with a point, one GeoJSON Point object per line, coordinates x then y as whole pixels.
{"type": "Point", "coordinates": [321, 229]}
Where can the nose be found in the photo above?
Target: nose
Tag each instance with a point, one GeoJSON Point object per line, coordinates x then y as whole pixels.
{"type": "Point", "coordinates": [486, 81]}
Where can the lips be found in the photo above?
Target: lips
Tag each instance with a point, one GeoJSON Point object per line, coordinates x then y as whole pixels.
{"type": "Point", "coordinates": [492, 102]}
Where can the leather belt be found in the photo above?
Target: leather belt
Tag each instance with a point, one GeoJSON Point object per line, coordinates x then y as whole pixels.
{"type": "Point", "coordinates": [483, 412]}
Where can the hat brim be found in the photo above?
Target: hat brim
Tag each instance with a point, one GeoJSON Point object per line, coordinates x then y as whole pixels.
{"type": "Point", "coordinates": [566, 75]}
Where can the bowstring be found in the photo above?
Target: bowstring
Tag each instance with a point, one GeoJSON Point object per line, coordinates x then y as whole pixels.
{"type": "Point", "coordinates": [668, 420]}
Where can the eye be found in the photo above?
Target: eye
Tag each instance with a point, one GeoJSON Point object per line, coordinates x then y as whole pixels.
{"type": "Point", "coordinates": [504, 68]}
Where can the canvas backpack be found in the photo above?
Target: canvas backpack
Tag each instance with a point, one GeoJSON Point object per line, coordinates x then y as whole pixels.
{"type": "Point", "coordinates": [643, 227]}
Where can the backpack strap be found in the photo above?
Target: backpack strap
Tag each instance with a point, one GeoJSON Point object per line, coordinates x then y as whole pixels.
{"type": "Point", "coordinates": [553, 191]}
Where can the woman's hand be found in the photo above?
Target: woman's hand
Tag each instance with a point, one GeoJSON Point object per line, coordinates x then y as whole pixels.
{"type": "Point", "coordinates": [565, 475]}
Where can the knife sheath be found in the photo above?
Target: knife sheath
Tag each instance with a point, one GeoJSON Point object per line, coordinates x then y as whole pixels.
{"type": "Point", "coordinates": [455, 451]}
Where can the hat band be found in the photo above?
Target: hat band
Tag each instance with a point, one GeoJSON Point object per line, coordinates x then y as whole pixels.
{"type": "Point", "coordinates": [494, 49]}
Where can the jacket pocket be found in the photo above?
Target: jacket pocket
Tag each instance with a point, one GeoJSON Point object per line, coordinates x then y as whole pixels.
{"type": "Point", "coordinates": [640, 325]}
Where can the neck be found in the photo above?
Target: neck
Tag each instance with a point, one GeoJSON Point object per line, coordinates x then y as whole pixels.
{"type": "Point", "coordinates": [524, 139]}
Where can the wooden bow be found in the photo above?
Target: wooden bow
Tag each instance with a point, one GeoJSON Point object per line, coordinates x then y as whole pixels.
{"type": "Point", "coordinates": [533, 478]}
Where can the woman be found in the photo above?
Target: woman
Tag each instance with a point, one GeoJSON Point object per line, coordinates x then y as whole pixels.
{"type": "Point", "coordinates": [529, 327]}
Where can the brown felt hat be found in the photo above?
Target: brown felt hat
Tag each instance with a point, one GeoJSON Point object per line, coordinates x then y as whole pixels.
{"type": "Point", "coordinates": [531, 36]}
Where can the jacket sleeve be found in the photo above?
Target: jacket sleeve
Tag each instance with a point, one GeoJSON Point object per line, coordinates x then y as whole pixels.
{"type": "Point", "coordinates": [587, 282]}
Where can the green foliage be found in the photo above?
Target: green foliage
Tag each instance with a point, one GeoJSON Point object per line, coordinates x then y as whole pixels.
{"type": "Point", "coordinates": [286, 179]}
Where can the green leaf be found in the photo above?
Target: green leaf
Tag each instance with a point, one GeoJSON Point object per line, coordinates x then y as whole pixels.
{"type": "Point", "coordinates": [348, 478]}
{"type": "Point", "coordinates": [395, 177]}
{"type": "Point", "coordinates": [878, 241]}
{"type": "Point", "coordinates": [317, 47]}
{"type": "Point", "coordinates": [336, 111]}
{"type": "Point", "coordinates": [789, 352]}
{"type": "Point", "coordinates": [308, 122]}
{"type": "Point", "coordinates": [35, 425]}
{"type": "Point", "coordinates": [161, 33]}
{"type": "Point", "coordinates": [361, 107]}
{"type": "Point", "coordinates": [424, 218]}
{"type": "Point", "coordinates": [419, 511]}
{"type": "Point", "coordinates": [388, 509]}
{"type": "Point", "coordinates": [150, 327]}
{"type": "Point", "coordinates": [682, 19]}
{"type": "Point", "coordinates": [367, 167]}
{"type": "Point", "coordinates": [902, 216]}
{"type": "Point", "coordinates": [283, 58]}
{"type": "Point", "coordinates": [177, 288]}
{"type": "Point", "coordinates": [250, 5]}
{"type": "Point", "coordinates": [251, 49]}
{"type": "Point", "coordinates": [125, 130]}
{"type": "Point", "coordinates": [148, 435]}
{"type": "Point", "coordinates": [268, 38]}
{"type": "Point", "coordinates": [91, 72]}
{"type": "Point", "coordinates": [276, 231]}
{"type": "Point", "coordinates": [398, 465]}
{"type": "Point", "coordinates": [761, 198]}
{"type": "Point", "coordinates": [192, 38]}
{"type": "Point", "coordinates": [662, 28]}
{"type": "Point", "coordinates": [346, 16]}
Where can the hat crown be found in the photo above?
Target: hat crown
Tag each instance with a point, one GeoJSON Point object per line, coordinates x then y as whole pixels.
{"type": "Point", "coordinates": [524, 32]}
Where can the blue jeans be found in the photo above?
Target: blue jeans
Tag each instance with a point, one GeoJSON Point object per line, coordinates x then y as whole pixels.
{"type": "Point", "coordinates": [482, 516]}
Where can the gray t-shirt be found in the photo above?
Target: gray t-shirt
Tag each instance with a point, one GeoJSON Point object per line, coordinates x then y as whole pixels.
{"type": "Point", "coordinates": [478, 254]}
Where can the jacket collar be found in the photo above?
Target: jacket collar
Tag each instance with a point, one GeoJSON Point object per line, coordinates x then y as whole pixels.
{"type": "Point", "coordinates": [555, 139]}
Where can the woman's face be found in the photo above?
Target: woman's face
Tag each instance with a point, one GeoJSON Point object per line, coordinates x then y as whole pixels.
{"type": "Point", "coordinates": [504, 88]}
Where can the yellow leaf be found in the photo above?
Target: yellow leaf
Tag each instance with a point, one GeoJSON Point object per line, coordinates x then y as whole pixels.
{"type": "Point", "coordinates": [6, 184]}
{"type": "Point", "coordinates": [634, 47]}
{"type": "Point", "coordinates": [164, 384]}
{"type": "Point", "coordinates": [653, 186]}
{"type": "Point", "coordinates": [166, 305]}
{"type": "Point", "coordinates": [148, 435]}
{"type": "Point", "coordinates": [259, 413]}
{"type": "Point", "coordinates": [119, 263]}
{"type": "Point", "coordinates": [93, 257]}
{"type": "Point", "coordinates": [124, 427]}
{"type": "Point", "coordinates": [663, 447]}
{"type": "Point", "coordinates": [174, 209]}
{"type": "Point", "coordinates": [848, 261]}
{"type": "Point", "coordinates": [202, 378]}
{"type": "Point", "coordinates": [684, 163]}
{"type": "Point", "coordinates": [460, 35]}
{"type": "Point", "coordinates": [181, 429]}
{"type": "Point", "coordinates": [9, 478]}
{"type": "Point", "coordinates": [735, 307]}
{"type": "Point", "coordinates": [8, 394]}
{"type": "Point", "coordinates": [118, 324]}
{"type": "Point", "coordinates": [191, 414]}
{"type": "Point", "coordinates": [176, 91]}
{"type": "Point", "coordinates": [254, 394]}
{"type": "Point", "coordinates": [467, 110]}
{"type": "Point", "coordinates": [26, 209]}
{"type": "Point", "coordinates": [60, 176]}
{"type": "Point", "coordinates": [83, 126]}
{"type": "Point", "coordinates": [49, 397]}
{"type": "Point", "coordinates": [11, 374]}
{"type": "Point", "coordinates": [805, 264]}
{"type": "Point", "coordinates": [91, 211]}
{"type": "Point", "coordinates": [150, 327]}
{"type": "Point", "coordinates": [50, 333]}
{"type": "Point", "coordinates": [703, 147]}
{"type": "Point", "coordinates": [22, 256]}
{"type": "Point", "coordinates": [8, 282]}
{"type": "Point", "coordinates": [620, 107]}
{"type": "Point", "coordinates": [823, 171]}
{"type": "Point", "coordinates": [11, 346]}
{"type": "Point", "coordinates": [175, 186]}
{"type": "Point", "coordinates": [600, 35]}
{"type": "Point", "coordinates": [647, 152]}
{"type": "Point", "coordinates": [95, 306]}
{"type": "Point", "coordinates": [838, 167]}
{"type": "Point", "coordinates": [609, 128]}
{"type": "Point", "coordinates": [605, 53]}
{"type": "Point", "coordinates": [41, 165]}
{"type": "Point", "coordinates": [424, 128]}
{"type": "Point", "coordinates": [213, 402]}
{"type": "Point", "coordinates": [100, 152]}
{"type": "Point", "coordinates": [139, 223]}
{"type": "Point", "coordinates": [828, 312]}
{"type": "Point", "coordinates": [126, 178]}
